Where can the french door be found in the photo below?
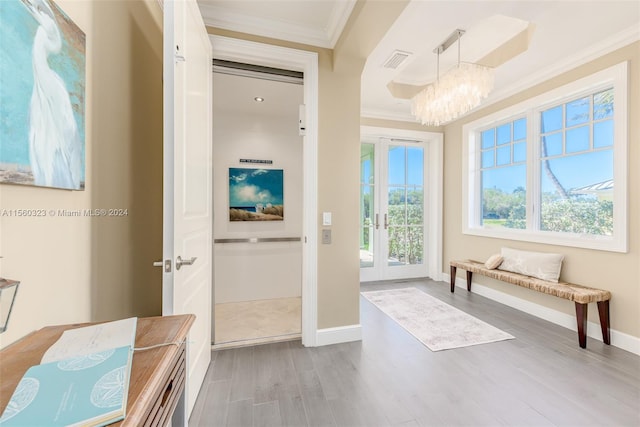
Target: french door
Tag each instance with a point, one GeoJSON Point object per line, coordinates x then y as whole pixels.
{"type": "Point", "coordinates": [392, 209]}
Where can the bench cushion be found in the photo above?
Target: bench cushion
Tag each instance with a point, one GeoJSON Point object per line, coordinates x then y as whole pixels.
{"type": "Point", "coordinates": [570, 291]}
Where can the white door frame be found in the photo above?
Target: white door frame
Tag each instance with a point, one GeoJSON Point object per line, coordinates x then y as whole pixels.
{"type": "Point", "coordinates": [434, 149]}
{"type": "Point", "coordinates": [237, 50]}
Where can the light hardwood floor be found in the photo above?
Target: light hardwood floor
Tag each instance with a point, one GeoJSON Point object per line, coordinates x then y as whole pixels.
{"type": "Point", "coordinates": [541, 378]}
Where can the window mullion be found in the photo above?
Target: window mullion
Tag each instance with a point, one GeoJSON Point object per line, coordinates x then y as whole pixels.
{"type": "Point", "coordinates": [533, 169]}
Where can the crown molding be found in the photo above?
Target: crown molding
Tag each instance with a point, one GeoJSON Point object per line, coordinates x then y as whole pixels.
{"type": "Point", "coordinates": [216, 16]}
{"type": "Point", "coordinates": [595, 51]}
{"type": "Point", "coordinates": [339, 17]}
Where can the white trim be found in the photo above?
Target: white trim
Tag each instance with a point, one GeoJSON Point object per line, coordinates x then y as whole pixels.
{"type": "Point", "coordinates": [618, 339]}
{"type": "Point", "coordinates": [307, 62]}
{"type": "Point", "coordinates": [338, 19]}
{"type": "Point", "coordinates": [435, 176]}
{"type": "Point", "coordinates": [339, 335]}
{"type": "Point", "coordinates": [433, 143]}
{"type": "Point", "coordinates": [220, 17]}
{"type": "Point", "coordinates": [615, 75]}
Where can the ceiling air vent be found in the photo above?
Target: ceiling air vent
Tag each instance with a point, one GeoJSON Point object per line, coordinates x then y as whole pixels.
{"type": "Point", "coordinates": [396, 58]}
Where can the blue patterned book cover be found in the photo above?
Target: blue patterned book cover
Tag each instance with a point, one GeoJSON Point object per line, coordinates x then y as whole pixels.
{"type": "Point", "coordinates": [89, 390]}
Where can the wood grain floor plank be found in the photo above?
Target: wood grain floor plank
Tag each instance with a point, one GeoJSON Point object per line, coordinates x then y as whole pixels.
{"type": "Point", "coordinates": [316, 406]}
{"type": "Point", "coordinates": [540, 378]}
{"type": "Point", "coordinates": [243, 375]}
{"type": "Point", "coordinates": [240, 413]}
{"type": "Point", "coordinates": [266, 414]}
{"type": "Point", "coordinates": [223, 364]}
{"type": "Point", "coordinates": [215, 407]}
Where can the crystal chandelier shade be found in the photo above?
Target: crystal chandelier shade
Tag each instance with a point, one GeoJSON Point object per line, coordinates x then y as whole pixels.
{"type": "Point", "coordinates": [457, 92]}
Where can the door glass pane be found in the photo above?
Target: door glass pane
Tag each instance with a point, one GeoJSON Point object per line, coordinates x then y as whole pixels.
{"type": "Point", "coordinates": [397, 206]}
{"type": "Point", "coordinates": [367, 214]}
{"type": "Point", "coordinates": [415, 244]}
{"type": "Point", "coordinates": [406, 210]}
{"type": "Point", "coordinates": [415, 206]}
{"type": "Point", "coordinates": [397, 246]}
{"type": "Point", "coordinates": [397, 164]}
{"type": "Point", "coordinates": [415, 165]}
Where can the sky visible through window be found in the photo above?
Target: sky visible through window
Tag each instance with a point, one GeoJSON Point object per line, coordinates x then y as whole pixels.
{"type": "Point", "coordinates": [579, 147]}
{"type": "Point", "coordinates": [397, 170]}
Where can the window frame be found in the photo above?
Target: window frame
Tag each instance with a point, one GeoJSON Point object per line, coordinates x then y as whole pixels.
{"type": "Point", "coordinates": [616, 77]}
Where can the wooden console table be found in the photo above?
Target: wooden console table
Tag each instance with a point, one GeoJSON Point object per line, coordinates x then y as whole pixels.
{"type": "Point", "coordinates": [156, 388]}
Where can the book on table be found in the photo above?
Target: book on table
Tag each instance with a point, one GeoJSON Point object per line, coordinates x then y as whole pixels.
{"type": "Point", "coordinates": [83, 380]}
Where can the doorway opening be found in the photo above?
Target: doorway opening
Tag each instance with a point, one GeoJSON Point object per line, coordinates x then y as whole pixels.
{"type": "Point", "coordinates": [244, 51]}
{"type": "Point", "coordinates": [400, 204]}
{"type": "Point", "coordinates": [258, 204]}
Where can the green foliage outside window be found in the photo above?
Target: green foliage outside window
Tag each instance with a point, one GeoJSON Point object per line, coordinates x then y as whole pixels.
{"type": "Point", "coordinates": [574, 214]}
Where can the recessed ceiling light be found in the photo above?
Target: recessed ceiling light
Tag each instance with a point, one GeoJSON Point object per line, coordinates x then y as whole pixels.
{"type": "Point", "coordinates": [258, 99]}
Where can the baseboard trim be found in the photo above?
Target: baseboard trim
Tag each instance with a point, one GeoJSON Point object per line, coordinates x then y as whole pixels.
{"type": "Point", "coordinates": [338, 335]}
{"type": "Point", "coordinates": [618, 339]}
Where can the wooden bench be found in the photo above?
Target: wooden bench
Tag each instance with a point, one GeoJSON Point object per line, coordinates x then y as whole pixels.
{"type": "Point", "coordinates": [581, 295]}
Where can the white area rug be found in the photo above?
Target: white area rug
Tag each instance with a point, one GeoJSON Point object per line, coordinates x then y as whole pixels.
{"type": "Point", "coordinates": [436, 324]}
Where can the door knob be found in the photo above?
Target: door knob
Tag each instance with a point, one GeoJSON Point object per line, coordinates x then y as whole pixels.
{"type": "Point", "coordinates": [180, 262]}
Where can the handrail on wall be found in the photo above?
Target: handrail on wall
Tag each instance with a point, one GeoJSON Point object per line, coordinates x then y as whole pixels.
{"type": "Point", "coordinates": [259, 240]}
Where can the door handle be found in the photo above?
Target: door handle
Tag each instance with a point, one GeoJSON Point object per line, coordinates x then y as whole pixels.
{"type": "Point", "coordinates": [180, 262]}
{"type": "Point", "coordinates": [386, 223]}
{"type": "Point", "coordinates": [377, 221]}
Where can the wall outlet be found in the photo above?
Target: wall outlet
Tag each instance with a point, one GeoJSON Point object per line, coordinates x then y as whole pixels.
{"type": "Point", "coordinates": [326, 237]}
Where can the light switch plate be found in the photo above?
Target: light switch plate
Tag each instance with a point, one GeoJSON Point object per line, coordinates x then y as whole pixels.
{"type": "Point", "coordinates": [326, 218]}
{"type": "Point", "coordinates": [326, 237]}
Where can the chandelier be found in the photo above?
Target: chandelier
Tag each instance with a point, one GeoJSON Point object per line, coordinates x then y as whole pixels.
{"type": "Point", "coordinates": [460, 90]}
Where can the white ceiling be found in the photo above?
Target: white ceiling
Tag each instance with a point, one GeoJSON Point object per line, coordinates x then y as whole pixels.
{"type": "Point", "coordinates": [566, 33]}
{"type": "Point", "coordinates": [235, 95]}
{"type": "Point", "coordinates": [314, 22]}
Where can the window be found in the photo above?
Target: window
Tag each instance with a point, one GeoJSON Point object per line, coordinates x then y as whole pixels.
{"type": "Point", "coordinates": [552, 169]}
{"type": "Point", "coordinates": [503, 173]}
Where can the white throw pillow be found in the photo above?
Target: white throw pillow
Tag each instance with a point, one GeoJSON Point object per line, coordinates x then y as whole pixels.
{"type": "Point", "coordinates": [494, 261]}
{"type": "Point", "coordinates": [544, 266]}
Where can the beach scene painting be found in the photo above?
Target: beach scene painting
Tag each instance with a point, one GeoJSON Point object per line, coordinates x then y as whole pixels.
{"type": "Point", "coordinates": [256, 194]}
{"type": "Point", "coordinates": [42, 110]}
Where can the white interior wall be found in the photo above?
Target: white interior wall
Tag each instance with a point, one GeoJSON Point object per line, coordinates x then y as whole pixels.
{"type": "Point", "coordinates": [245, 129]}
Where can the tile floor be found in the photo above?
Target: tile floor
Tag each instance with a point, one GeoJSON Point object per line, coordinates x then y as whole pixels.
{"type": "Point", "coordinates": [252, 322]}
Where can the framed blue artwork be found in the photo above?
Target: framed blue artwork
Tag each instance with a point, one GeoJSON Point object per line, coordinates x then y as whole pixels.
{"type": "Point", "coordinates": [42, 96]}
{"type": "Point", "coordinates": [256, 194]}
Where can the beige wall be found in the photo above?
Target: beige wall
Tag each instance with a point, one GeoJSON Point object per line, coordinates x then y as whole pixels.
{"type": "Point", "coordinates": [81, 269]}
{"type": "Point", "coordinates": [619, 273]}
{"type": "Point", "coordinates": [339, 153]}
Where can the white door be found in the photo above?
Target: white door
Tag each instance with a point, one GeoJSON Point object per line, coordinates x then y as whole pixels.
{"type": "Point", "coordinates": [187, 212]}
{"type": "Point", "coordinates": [393, 234]}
